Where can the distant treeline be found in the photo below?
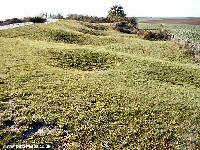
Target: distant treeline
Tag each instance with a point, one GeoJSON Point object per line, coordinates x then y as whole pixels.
{"type": "Point", "coordinates": [26, 19]}
{"type": "Point", "coordinates": [42, 18]}
{"type": "Point", "coordinates": [86, 18]}
{"type": "Point", "coordinates": [95, 19]}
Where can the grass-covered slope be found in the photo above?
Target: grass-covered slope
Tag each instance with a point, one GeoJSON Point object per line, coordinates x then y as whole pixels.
{"type": "Point", "coordinates": [109, 90]}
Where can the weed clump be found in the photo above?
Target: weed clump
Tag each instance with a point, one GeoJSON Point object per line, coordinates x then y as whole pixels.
{"type": "Point", "coordinates": [155, 35]}
{"type": "Point", "coordinates": [124, 27]}
{"type": "Point", "coordinates": [35, 19]}
{"type": "Point", "coordinates": [10, 21]}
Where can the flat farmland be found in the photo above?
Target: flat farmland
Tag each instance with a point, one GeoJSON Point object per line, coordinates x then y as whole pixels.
{"type": "Point", "coordinates": [191, 21]}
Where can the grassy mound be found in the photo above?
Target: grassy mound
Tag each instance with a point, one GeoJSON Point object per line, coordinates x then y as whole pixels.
{"type": "Point", "coordinates": [57, 32]}
{"type": "Point", "coordinates": [53, 90]}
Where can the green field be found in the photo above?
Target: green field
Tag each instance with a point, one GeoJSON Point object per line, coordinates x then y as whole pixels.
{"type": "Point", "coordinates": [190, 32]}
{"type": "Point", "coordinates": [97, 88]}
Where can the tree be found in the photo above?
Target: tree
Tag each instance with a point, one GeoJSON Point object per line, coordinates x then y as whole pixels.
{"type": "Point", "coordinates": [116, 13]}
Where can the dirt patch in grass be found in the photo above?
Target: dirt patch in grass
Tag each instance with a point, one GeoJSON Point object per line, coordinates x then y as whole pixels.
{"type": "Point", "coordinates": [33, 128]}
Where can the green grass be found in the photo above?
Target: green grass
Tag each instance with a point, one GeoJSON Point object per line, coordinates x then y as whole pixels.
{"type": "Point", "coordinates": [112, 90]}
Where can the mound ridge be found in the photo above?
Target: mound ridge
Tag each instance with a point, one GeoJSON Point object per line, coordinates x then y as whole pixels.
{"type": "Point", "coordinates": [58, 32]}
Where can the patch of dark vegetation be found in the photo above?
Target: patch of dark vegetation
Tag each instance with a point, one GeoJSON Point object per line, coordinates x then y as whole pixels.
{"type": "Point", "coordinates": [82, 60]}
{"type": "Point", "coordinates": [52, 124]}
{"type": "Point", "coordinates": [35, 19]}
{"type": "Point", "coordinates": [189, 53]}
{"type": "Point", "coordinates": [65, 129]}
{"type": "Point", "coordinates": [7, 123]}
{"type": "Point", "coordinates": [93, 29]}
{"type": "Point", "coordinates": [10, 21]}
{"type": "Point", "coordinates": [22, 123]}
{"type": "Point", "coordinates": [1, 137]}
{"type": "Point", "coordinates": [155, 35]}
{"type": "Point", "coordinates": [5, 105]}
{"type": "Point", "coordinates": [26, 19]}
{"type": "Point", "coordinates": [91, 32]}
{"type": "Point", "coordinates": [194, 54]}
{"type": "Point", "coordinates": [33, 128]}
{"type": "Point", "coordinates": [175, 76]}
{"type": "Point", "coordinates": [68, 37]}
{"type": "Point", "coordinates": [125, 27]}
{"type": "Point", "coordinates": [96, 26]}
{"type": "Point", "coordinates": [2, 82]}
{"type": "Point", "coordinates": [5, 97]}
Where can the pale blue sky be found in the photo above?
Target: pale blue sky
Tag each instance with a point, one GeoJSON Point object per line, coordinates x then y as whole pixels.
{"type": "Point", "coordinates": [151, 8]}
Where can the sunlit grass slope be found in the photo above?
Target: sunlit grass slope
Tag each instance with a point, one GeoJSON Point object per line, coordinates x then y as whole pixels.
{"type": "Point", "coordinates": [97, 88]}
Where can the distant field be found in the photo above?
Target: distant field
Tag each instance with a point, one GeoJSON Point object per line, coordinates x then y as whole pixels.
{"type": "Point", "coordinates": [91, 87]}
{"type": "Point", "coordinates": [190, 32]}
{"type": "Point", "coordinates": [191, 21]}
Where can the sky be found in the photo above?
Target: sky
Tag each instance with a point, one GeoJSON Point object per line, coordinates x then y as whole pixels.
{"type": "Point", "coordinates": [100, 8]}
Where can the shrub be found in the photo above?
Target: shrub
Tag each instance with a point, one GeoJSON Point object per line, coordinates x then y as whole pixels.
{"type": "Point", "coordinates": [1, 23]}
{"type": "Point", "coordinates": [156, 35]}
{"type": "Point", "coordinates": [125, 27]}
{"type": "Point", "coordinates": [35, 19]}
{"type": "Point", "coordinates": [14, 20]}
{"type": "Point", "coordinates": [10, 21]}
